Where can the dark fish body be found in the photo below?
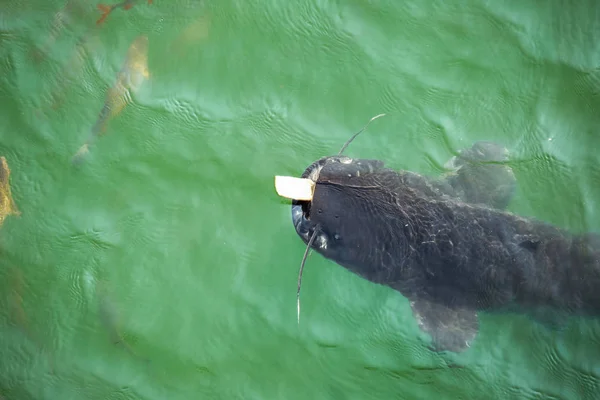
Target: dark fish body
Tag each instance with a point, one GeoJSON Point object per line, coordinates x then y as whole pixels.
{"type": "Point", "coordinates": [450, 258]}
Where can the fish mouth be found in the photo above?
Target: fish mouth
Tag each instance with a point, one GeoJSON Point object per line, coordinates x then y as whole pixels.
{"type": "Point", "coordinates": [301, 208]}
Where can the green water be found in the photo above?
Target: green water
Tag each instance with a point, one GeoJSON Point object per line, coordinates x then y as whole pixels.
{"type": "Point", "coordinates": [173, 221]}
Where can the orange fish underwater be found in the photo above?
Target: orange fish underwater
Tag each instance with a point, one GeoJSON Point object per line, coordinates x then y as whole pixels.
{"type": "Point", "coordinates": [107, 9]}
{"type": "Point", "coordinates": [132, 74]}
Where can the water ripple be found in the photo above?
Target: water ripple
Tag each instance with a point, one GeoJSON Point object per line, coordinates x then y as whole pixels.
{"type": "Point", "coordinates": [552, 35]}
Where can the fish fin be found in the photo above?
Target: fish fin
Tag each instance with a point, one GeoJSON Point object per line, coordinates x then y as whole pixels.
{"type": "Point", "coordinates": [149, 1]}
{"type": "Point", "coordinates": [106, 10]}
{"type": "Point", "coordinates": [451, 329]}
{"type": "Point", "coordinates": [127, 6]}
{"type": "Point", "coordinates": [480, 175]}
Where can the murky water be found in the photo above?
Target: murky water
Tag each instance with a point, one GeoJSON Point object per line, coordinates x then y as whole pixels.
{"type": "Point", "coordinates": [165, 265]}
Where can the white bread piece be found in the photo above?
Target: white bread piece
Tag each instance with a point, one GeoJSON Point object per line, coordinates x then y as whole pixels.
{"type": "Point", "coordinates": [294, 188]}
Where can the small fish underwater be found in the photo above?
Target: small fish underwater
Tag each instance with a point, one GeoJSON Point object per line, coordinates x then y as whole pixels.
{"type": "Point", "coordinates": [447, 244]}
{"type": "Point", "coordinates": [110, 317]}
{"type": "Point", "coordinates": [129, 79]}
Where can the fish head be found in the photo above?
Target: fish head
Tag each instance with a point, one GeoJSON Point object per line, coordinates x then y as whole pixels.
{"type": "Point", "coordinates": [337, 212]}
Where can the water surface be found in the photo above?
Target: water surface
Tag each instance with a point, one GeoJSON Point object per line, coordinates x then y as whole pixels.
{"type": "Point", "coordinates": [174, 226]}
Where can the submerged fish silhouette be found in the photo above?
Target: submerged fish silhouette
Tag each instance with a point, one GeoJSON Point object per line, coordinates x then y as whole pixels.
{"type": "Point", "coordinates": [85, 45]}
{"type": "Point", "coordinates": [110, 317]}
{"type": "Point", "coordinates": [62, 18]}
{"type": "Point", "coordinates": [133, 72]}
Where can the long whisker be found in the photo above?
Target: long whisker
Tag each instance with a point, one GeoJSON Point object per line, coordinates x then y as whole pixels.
{"type": "Point", "coordinates": [357, 133]}
{"type": "Point", "coordinates": [310, 242]}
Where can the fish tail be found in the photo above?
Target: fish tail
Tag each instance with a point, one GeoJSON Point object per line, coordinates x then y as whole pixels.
{"type": "Point", "coordinates": [106, 10]}
{"type": "Point", "coordinates": [81, 153]}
